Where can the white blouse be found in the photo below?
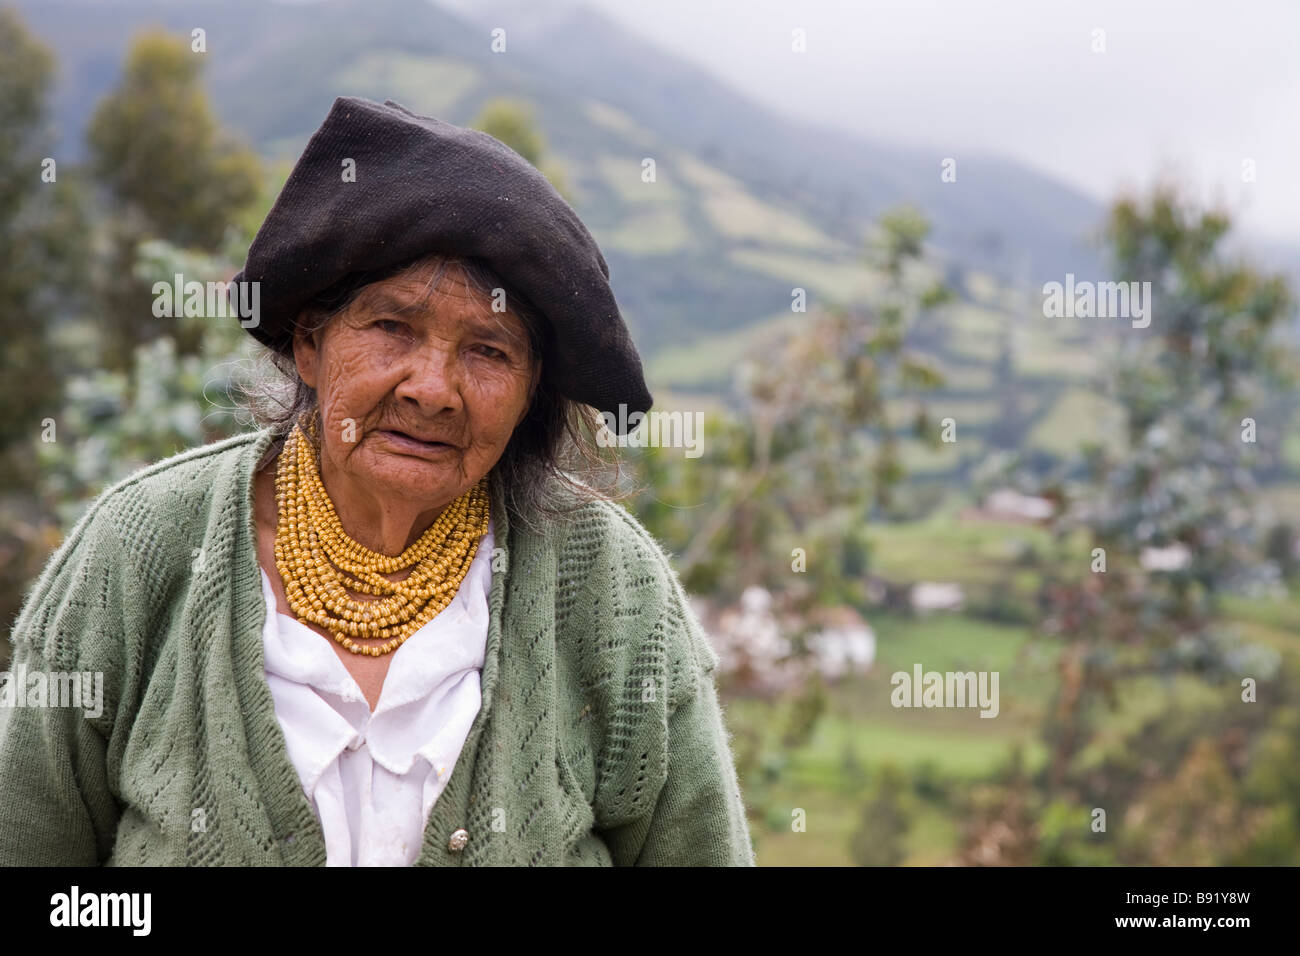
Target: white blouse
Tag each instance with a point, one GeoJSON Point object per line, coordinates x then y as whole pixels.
{"type": "Point", "coordinates": [373, 778]}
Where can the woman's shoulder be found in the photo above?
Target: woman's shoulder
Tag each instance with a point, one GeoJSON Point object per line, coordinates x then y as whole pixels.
{"type": "Point", "coordinates": [200, 459]}
{"type": "Point", "coordinates": [170, 494]}
{"type": "Point", "coordinates": [138, 537]}
{"type": "Point", "coordinates": [613, 577]}
{"type": "Point", "coordinates": [156, 516]}
{"type": "Point", "coordinates": [599, 527]}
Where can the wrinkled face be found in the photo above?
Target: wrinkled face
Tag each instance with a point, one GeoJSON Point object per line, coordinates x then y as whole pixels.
{"type": "Point", "coordinates": [434, 384]}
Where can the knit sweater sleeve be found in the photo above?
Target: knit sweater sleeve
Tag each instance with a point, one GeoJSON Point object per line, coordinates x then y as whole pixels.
{"type": "Point", "coordinates": [699, 816]}
{"type": "Point", "coordinates": [699, 819]}
{"type": "Point", "coordinates": [56, 808]}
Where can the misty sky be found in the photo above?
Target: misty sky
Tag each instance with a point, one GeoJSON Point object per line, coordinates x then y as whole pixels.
{"type": "Point", "coordinates": [1187, 87]}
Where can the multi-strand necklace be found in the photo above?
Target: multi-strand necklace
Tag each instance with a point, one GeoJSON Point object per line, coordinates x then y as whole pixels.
{"type": "Point", "coordinates": [317, 559]}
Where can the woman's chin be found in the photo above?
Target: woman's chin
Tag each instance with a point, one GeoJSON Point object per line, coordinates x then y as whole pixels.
{"type": "Point", "coordinates": [412, 477]}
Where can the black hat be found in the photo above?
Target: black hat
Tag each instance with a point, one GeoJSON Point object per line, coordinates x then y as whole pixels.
{"type": "Point", "coordinates": [423, 186]}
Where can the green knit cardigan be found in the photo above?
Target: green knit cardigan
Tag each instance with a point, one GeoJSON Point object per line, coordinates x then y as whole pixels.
{"type": "Point", "coordinates": [599, 742]}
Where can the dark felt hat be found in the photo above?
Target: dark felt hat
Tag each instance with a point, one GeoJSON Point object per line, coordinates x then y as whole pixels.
{"type": "Point", "coordinates": [423, 186]}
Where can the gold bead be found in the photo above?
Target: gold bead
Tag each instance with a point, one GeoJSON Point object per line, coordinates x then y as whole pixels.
{"type": "Point", "coordinates": [319, 563]}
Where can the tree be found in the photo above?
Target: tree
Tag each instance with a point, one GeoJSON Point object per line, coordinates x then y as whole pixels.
{"type": "Point", "coordinates": [169, 173]}
{"type": "Point", "coordinates": [880, 839]}
{"type": "Point", "coordinates": [165, 171]}
{"type": "Point", "coordinates": [512, 122]}
{"type": "Point", "coordinates": [1172, 512]}
{"type": "Point", "coordinates": [156, 146]}
{"type": "Point", "coordinates": [810, 450]}
{"type": "Point", "coordinates": [41, 227]}
{"type": "Point", "coordinates": [117, 421]}
{"type": "Point", "coordinates": [798, 466]}
{"type": "Point", "coordinates": [1008, 429]}
{"type": "Point", "coordinates": [998, 819]}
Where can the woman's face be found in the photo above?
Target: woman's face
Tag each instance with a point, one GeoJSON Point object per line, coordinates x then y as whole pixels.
{"type": "Point", "coordinates": [419, 394]}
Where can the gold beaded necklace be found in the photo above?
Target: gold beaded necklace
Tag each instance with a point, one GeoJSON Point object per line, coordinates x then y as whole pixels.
{"type": "Point", "coordinates": [317, 559]}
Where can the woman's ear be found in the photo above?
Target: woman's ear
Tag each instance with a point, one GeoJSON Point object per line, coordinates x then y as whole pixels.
{"type": "Point", "coordinates": [532, 391]}
{"type": "Point", "coordinates": [536, 381]}
{"type": "Point", "coordinates": [306, 354]}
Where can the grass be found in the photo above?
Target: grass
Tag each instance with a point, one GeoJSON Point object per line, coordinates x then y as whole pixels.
{"type": "Point", "coordinates": [830, 280]}
{"type": "Point", "coordinates": [922, 459]}
{"type": "Point", "coordinates": [962, 409]}
{"type": "Point", "coordinates": [948, 642]}
{"type": "Point", "coordinates": [957, 746]}
{"type": "Point", "coordinates": [1282, 617]}
{"type": "Point", "coordinates": [908, 742]}
{"type": "Point", "coordinates": [736, 214]}
{"type": "Point", "coordinates": [939, 548]}
{"type": "Point", "coordinates": [616, 121]}
{"type": "Point", "coordinates": [658, 231]}
{"type": "Point", "coordinates": [623, 175]}
{"type": "Point", "coordinates": [831, 821]}
{"type": "Point", "coordinates": [1142, 700]}
{"type": "Point", "coordinates": [712, 361]}
{"type": "Point", "coordinates": [861, 723]}
{"type": "Point", "coordinates": [1079, 416]}
{"type": "Point", "coordinates": [961, 745]}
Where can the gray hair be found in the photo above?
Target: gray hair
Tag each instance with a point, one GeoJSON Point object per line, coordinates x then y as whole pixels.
{"type": "Point", "coordinates": [552, 462]}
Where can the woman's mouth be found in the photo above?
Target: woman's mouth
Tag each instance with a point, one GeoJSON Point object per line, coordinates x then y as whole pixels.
{"type": "Point", "coordinates": [411, 444]}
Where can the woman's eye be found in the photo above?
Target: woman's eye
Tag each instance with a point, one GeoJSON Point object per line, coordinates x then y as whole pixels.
{"type": "Point", "coordinates": [491, 352]}
{"type": "Point", "coordinates": [389, 325]}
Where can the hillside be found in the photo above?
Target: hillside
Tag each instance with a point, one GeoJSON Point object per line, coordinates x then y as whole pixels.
{"type": "Point", "coordinates": [747, 204]}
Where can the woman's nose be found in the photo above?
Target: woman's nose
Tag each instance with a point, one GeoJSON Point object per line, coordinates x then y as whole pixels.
{"type": "Point", "coordinates": [432, 379]}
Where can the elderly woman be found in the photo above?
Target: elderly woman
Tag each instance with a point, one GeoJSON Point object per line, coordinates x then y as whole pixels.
{"type": "Point", "coordinates": [393, 626]}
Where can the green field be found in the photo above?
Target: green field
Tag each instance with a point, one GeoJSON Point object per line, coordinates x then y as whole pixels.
{"type": "Point", "coordinates": [861, 732]}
